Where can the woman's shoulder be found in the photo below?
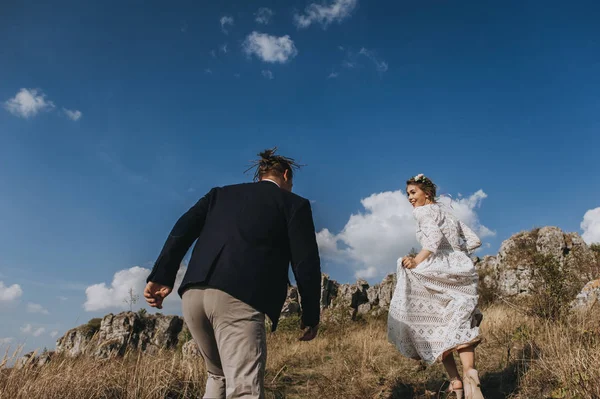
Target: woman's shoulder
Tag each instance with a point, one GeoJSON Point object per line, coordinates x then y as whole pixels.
{"type": "Point", "coordinates": [429, 210]}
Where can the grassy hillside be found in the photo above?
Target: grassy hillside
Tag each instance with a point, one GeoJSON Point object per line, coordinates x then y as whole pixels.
{"type": "Point", "coordinates": [522, 357]}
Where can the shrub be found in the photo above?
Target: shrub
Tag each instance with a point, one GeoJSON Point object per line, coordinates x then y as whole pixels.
{"type": "Point", "coordinates": [291, 323]}
{"type": "Point", "coordinates": [554, 287]}
{"type": "Point", "coordinates": [92, 326]}
{"type": "Point", "coordinates": [184, 336]}
{"type": "Point", "coordinates": [488, 289]}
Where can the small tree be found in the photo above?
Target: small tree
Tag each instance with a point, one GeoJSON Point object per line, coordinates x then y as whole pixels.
{"type": "Point", "coordinates": [132, 299]}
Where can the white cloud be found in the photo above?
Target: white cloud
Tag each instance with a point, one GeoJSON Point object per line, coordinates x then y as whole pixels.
{"type": "Point", "coordinates": [464, 209]}
{"type": "Point", "coordinates": [267, 74]}
{"type": "Point", "coordinates": [27, 103]}
{"type": "Point", "coordinates": [223, 48]}
{"type": "Point", "coordinates": [63, 298]}
{"type": "Point", "coordinates": [270, 48]}
{"type": "Point", "coordinates": [372, 240]}
{"type": "Point", "coordinates": [36, 308]}
{"type": "Point", "coordinates": [348, 64]}
{"type": "Point", "coordinates": [208, 71]}
{"type": "Point", "coordinates": [369, 272]}
{"type": "Point", "coordinates": [5, 341]}
{"type": "Point", "coordinates": [28, 329]}
{"type": "Point", "coordinates": [53, 334]}
{"type": "Point", "coordinates": [100, 296]}
{"type": "Point", "coordinates": [325, 14]}
{"type": "Point", "coordinates": [264, 15]}
{"type": "Point", "coordinates": [226, 21]}
{"type": "Point", "coordinates": [74, 115]}
{"type": "Point", "coordinates": [213, 53]}
{"type": "Point", "coordinates": [380, 65]}
{"type": "Point", "coordinates": [9, 293]}
{"type": "Point", "coordinates": [333, 75]}
{"type": "Point", "coordinates": [591, 226]}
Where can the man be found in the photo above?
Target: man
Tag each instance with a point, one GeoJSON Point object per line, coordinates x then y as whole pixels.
{"type": "Point", "coordinates": [247, 235]}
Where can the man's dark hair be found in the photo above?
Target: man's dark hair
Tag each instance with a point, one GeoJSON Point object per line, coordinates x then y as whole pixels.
{"type": "Point", "coordinates": [271, 164]}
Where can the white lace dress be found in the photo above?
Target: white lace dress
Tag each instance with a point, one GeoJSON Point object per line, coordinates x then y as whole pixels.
{"type": "Point", "coordinates": [434, 307]}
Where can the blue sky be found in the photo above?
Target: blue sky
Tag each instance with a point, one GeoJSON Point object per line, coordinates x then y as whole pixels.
{"type": "Point", "coordinates": [115, 118]}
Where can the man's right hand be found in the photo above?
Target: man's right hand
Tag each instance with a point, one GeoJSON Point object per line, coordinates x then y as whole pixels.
{"type": "Point", "coordinates": [310, 333]}
{"type": "Point", "coordinates": [155, 293]}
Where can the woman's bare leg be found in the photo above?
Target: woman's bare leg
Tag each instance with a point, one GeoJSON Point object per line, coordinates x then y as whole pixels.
{"type": "Point", "coordinates": [467, 358]}
{"type": "Point", "coordinates": [452, 370]}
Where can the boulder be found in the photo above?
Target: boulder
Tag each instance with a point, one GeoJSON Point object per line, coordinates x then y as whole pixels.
{"type": "Point", "coordinates": [588, 297]}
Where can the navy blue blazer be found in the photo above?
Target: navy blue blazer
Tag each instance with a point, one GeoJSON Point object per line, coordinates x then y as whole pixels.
{"type": "Point", "coordinates": [247, 236]}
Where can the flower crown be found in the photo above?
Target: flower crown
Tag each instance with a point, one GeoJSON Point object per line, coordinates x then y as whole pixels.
{"type": "Point", "coordinates": [420, 178]}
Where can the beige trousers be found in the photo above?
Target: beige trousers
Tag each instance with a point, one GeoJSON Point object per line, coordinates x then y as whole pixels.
{"type": "Point", "coordinates": [232, 339]}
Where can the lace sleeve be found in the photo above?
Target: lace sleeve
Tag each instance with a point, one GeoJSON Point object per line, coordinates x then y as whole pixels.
{"type": "Point", "coordinates": [431, 233]}
{"type": "Point", "coordinates": [472, 241]}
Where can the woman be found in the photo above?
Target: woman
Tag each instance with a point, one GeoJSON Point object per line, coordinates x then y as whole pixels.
{"type": "Point", "coordinates": [434, 308]}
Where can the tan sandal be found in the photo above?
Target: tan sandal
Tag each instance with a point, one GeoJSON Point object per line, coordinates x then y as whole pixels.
{"type": "Point", "coordinates": [471, 385]}
{"type": "Point", "coordinates": [457, 391]}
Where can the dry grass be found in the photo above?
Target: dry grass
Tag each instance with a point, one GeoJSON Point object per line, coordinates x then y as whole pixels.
{"type": "Point", "coordinates": [522, 357]}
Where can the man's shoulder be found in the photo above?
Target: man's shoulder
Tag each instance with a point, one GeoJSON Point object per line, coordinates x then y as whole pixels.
{"type": "Point", "coordinates": [289, 197]}
{"type": "Point", "coordinates": [295, 198]}
{"type": "Point", "coordinates": [232, 187]}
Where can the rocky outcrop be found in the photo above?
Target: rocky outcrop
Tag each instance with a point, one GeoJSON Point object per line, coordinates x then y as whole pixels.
{"type": "Point", "coordinates": [31, 360]}
{"type": "Point", "coordinates": [119, 333]}
{"type": "Point", "coordinates": [512, 271]}
{"type": "Point", "coordinates": [357, 299]}
{"type": "Point", "coordinates": [77, 340]}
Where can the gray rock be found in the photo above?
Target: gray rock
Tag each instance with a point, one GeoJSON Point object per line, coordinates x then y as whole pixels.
{"type": "Point", "coordinates": [77, 341]}
{"type": "Point", "coordinates": [373, 295]}
{"type": "Point", "coordinates": [290, 309]}
{"type": "Point", "coordinates": [159, 332]}
{"type": "Point", "coordinates": [329, 291]}
{"type": "Point", "coordinates": [44, 358]}
{"type": "Point", "coordinates": [30, 360]}
{"type": "Point", "coordinates": [27, 360]}
{"type": "Point", "coordinates": [364, 308]}
{"type": "Point", "coordinates": [291, 306]}
{"type": "Point", "coordinates": [511, 272]}
{"type": "Point", "coordinates": [386, 290]}
{"type": "Point", "coordinates": [588, 297]}
{"type": "Point", "coordinates": [120, 333]}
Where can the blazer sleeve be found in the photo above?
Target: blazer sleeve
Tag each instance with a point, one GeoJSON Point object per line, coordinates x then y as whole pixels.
{"type": "Point", "coordinates": [182, 236]}
{"type": "Point", "coordinates": [306, 263]}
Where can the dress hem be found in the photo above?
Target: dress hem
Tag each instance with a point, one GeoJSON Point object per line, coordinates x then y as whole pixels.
{"type": "Point", "coordinates": [472, 343]}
